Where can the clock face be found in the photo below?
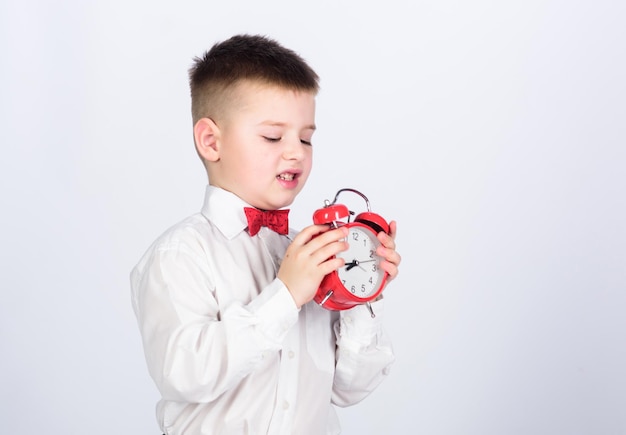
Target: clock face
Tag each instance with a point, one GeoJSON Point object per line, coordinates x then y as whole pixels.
{"type": "Point", "coordinates": [361, 275]}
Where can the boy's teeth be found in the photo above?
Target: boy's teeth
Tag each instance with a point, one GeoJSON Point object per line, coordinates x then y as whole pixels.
{"type": "Point", "coordinates": [286, 177]}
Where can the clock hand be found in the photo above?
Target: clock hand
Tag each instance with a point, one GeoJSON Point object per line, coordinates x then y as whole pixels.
{"type": "Point", "coordinates": [355, 263]}
{"type": "Point", "coordinates": [352, 264]}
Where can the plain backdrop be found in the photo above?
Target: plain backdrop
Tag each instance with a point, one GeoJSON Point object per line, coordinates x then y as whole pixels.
{"type": "Point", "coordinates": [494, 132]}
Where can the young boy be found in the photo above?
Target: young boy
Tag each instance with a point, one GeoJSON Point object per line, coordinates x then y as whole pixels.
{"type": "Point", "coordinates": [232, 338]}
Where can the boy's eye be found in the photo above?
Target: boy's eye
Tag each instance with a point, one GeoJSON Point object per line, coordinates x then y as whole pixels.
{"type": "Point", "coordinates": [272, 139]}
{"type": "Point", "coordinates": [306, 142]}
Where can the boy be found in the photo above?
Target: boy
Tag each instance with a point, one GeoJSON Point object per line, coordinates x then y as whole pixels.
{"type": "Point", "coordinates": [232, 338]}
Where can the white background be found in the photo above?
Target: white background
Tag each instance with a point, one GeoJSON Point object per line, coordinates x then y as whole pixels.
{"type": "Point", "coordinates": [493, 131]}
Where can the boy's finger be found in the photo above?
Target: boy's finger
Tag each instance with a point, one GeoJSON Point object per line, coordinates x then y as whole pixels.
{"type": "Point", "coordinates": [309, 232]}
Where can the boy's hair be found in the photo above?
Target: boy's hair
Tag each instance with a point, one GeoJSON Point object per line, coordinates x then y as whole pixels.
{"type": "Point", "coordinates": [245, 57]}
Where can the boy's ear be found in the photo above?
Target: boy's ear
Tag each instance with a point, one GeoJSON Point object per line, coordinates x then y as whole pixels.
{"type": "Point", "coordinates": [206, 134]}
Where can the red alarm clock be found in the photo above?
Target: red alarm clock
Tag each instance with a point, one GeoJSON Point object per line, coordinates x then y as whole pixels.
{"type": "Point", "coordinates": [361, 279]}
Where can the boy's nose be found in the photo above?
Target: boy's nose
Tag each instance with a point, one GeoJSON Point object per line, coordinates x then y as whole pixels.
{"type": "Point", "coordinates": [294, 150]}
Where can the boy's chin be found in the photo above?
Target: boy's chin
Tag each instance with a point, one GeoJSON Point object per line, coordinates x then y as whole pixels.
{"type": "Point", "coordinates": [278, 204]}
{"type": "Point", "coordinates": [274, 201]}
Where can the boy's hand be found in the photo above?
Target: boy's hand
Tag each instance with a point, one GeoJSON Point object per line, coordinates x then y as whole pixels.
{"type": "Point", "coordinates": [388, 251]}
{"type": "Point", "coordinates": [309, 258]}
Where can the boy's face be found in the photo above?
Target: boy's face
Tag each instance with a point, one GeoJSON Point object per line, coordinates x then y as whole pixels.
{"type": "Point", "coordinates": [264, 145]}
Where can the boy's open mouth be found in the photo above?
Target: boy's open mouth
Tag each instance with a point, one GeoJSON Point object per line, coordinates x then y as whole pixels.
{"type": "Point", "coordinates": [286, 176]}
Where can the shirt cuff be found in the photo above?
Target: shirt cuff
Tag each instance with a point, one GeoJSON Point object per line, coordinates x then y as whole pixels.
{"type": "Point", "coordinates": [358, 326]}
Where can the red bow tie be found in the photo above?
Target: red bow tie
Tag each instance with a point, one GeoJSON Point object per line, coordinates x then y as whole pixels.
{"type": "Point", "coordinates": [273, 219]}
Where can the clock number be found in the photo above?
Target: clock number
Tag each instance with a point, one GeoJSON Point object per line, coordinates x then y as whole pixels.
{"type": "Point", "coordinates": [374, 268]}
{"type": "Point", "coordinates": [355, 236]}
{"type": "Point", "coordinates": [371, 254]}
{"type": "Point", "coordinates": [353, 289]}
{"type": "Point", "coordinates": [362, 288]}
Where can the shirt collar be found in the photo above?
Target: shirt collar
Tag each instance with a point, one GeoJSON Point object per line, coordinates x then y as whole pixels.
{"type": "Point", "coordinates": [225, 210]}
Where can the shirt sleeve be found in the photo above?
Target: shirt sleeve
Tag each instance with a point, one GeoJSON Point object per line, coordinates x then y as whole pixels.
{"type": "Point", "coordinates": [195, 349]}
{"type": "Point", "coordinates": [364, 354]}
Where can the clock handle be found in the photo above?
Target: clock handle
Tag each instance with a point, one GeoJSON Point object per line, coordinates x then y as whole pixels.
{"type": "Point", "coordinates": [367, 201]}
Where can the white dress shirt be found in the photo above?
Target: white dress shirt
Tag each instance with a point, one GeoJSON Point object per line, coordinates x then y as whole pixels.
{"type": "Point", "coordinates": [225, 343]}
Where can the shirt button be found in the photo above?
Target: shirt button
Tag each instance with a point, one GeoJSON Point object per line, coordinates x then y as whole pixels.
{"type": "Point", "coordinates": [285, 405]}
{"type": "Point", "coordinates": [291, 354]}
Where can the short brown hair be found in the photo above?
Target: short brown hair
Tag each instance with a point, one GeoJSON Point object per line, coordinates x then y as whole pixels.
{"type": "Point", "coordinates": [245, 57]}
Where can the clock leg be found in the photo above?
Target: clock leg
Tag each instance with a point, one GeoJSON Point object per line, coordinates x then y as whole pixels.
{"type": "Point", "coordinates": [328, 295]}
